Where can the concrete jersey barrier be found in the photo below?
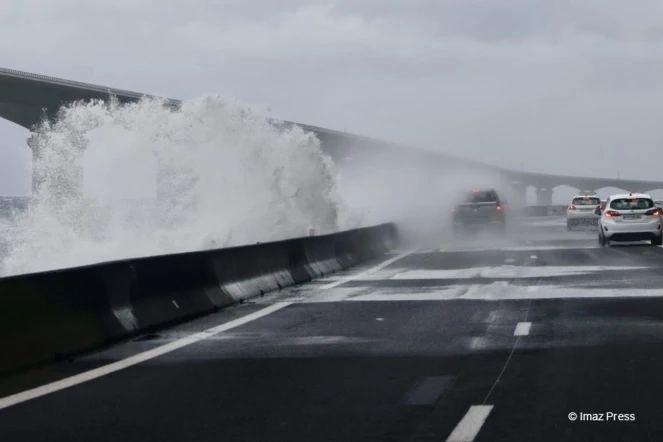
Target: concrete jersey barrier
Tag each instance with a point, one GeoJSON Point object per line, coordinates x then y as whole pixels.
{"type": "Point", "coordinates": [52, 315]}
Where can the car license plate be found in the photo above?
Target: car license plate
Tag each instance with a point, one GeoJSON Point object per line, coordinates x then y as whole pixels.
{"type": "Point", "coordinates": [632, 216]}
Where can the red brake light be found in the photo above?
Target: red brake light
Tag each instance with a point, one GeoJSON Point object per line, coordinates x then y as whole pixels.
{"type": "Point", "coordinates": [453, 209]}
{"type": "Point", "coordinates": [653, 212]}
{"type": "Point", "coordinates": [475, 190]}
{"type": "Point", "coordinates": [585, 197]}
{"type": "Point", "coordinates": [499, 208]}
{"type": "Point", "coordinates": [572, 207]}
{"type": "Point", "coordinates": [612, 213]}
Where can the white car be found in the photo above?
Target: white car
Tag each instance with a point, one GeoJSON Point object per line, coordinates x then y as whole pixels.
{"type": "Point", "coordinates": [581, 211]}
{"type": "Point", "coordinates": [630, 217]}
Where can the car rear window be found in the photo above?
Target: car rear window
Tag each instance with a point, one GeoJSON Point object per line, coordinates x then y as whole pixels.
{"type": "Point", "coordinates": [586, 201]}
{"type": "Point", "coordinates": [631, 204]}
{"type": "Point", "coordinates": [487, 196]}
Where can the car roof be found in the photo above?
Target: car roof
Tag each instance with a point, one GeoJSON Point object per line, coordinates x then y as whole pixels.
{"type": "Point", "coordinates": [586, 196]}
{"type": "Point", "coordinates": [627, 195]}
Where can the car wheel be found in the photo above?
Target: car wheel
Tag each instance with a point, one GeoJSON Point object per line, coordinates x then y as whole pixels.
{"type": "Point", "coordinates": [657, 241]}
{"type": "Point", "coordinates": [569, 226]}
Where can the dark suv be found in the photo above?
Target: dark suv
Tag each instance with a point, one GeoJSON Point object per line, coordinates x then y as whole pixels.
{"type": "Point", "coordinates": [481, 207]}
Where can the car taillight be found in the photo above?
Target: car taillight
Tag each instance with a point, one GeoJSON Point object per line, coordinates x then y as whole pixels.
{"type": "Point", "coordinates": [453, 209]}
{"type": "Point", "coordinates": [572, 207]}
{"type": "Point", "coordinates": [499, 208]}
{"type": "Point", "coordinates": [612, 213]}
{"type": "Point", "coordinates": [653, 212]}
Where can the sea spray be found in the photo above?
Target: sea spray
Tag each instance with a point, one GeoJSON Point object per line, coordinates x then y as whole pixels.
{"type": "Point", "coordinates": [116, 181]}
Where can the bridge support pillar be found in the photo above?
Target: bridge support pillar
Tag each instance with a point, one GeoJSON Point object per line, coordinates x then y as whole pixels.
{"type": "Point", "coordinates": [519, 191]}
{"type": "Point", "coordinates": [544, 197]}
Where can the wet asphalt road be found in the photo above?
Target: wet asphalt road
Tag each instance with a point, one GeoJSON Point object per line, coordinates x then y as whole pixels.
{"type": "Point", "coordinates": [400, 353]}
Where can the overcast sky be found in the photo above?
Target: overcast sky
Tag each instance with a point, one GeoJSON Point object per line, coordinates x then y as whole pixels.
{"type": "Point", "coordinates": [555, 86]}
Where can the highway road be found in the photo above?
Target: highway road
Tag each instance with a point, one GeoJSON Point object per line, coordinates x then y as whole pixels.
{"type": "Point", "coordinates": [488, 340]}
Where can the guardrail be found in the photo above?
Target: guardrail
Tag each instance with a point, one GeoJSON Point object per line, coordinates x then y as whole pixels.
{"type": "Point", "coordinates": [52, 315]}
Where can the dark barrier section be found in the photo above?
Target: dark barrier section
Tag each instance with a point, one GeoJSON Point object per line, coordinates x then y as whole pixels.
{"type": "Point", "coordinates": [51, 315]}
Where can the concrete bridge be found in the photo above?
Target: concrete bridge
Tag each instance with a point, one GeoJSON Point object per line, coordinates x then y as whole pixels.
{"type": "Point", "coordinates": [26, 98]}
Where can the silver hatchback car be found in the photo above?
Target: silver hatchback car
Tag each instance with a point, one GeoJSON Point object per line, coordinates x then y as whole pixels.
{"type": "Point", "coordinates": [580, 211]}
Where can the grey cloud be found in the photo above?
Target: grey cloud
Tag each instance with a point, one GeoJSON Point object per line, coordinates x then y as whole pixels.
{"type": "Point", "coordinates": [563, 87]}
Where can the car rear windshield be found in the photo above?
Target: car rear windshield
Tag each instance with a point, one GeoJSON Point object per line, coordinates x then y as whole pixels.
{"type": "Point", "coordinates": [631, 204]}
{"type": "Point", "coordinates": [487, 196]}
{"type": "Point", "coordinates": [586, 201]}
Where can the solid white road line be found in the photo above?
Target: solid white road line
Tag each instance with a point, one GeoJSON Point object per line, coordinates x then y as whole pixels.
{"type": "Point", "coordinates": [367, 272]}
{"type": "Point", "coordinates": [469, 426]}
{"type": "Point", "coordinates": [522, 329]}
{"type": "Point", "coordinates": [136, 359]}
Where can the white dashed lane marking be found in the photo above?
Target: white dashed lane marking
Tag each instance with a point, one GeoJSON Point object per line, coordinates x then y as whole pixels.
{"type": "Point", "coordinates": [470, 425]}
{"type": "Point", "coordinates": [522, 329]}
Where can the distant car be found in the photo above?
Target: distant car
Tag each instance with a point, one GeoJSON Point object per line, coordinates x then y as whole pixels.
{"type": "Point", "coordinates": [580, 211]}
{"type": "Point", "coordinates": [630, 217]}
{"type": "Point", "coordinates": [479, 208]}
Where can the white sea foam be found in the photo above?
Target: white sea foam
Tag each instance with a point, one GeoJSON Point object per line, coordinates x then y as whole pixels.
{"type": "Point", "coordinates": [118, 181]}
